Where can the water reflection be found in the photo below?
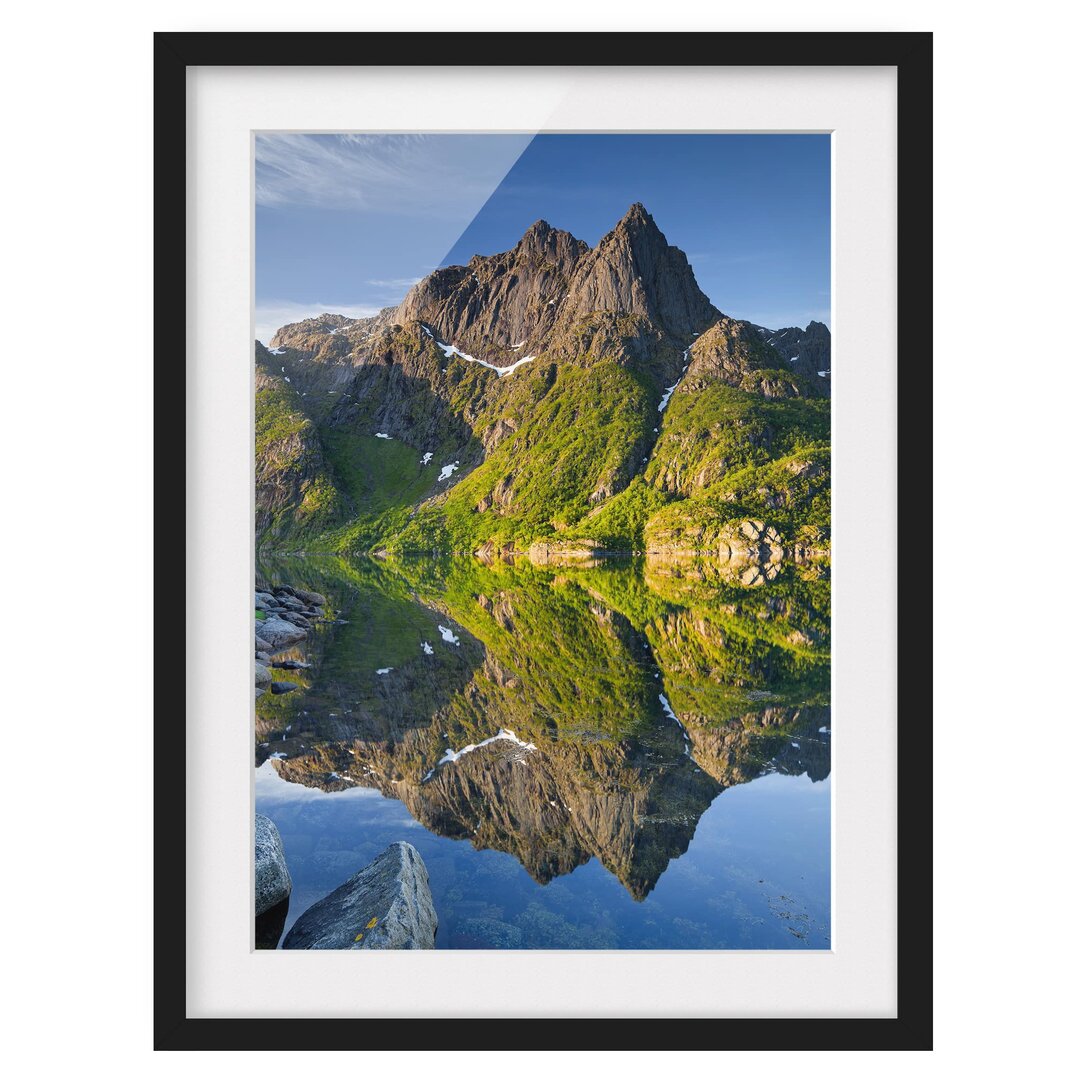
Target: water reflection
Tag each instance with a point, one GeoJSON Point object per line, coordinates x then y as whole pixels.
{"type": "Point", "coordinates": [558, 714]}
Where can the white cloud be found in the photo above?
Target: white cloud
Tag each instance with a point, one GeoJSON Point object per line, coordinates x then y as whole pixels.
{"type": "Point", "coordinates": [271, 316]}
{"type": "Point", "coordinates": [394, 283]}
{"type": "Point", "coordinates": [429, 175]}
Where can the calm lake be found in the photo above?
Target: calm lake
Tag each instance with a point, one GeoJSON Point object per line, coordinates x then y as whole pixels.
{"type": "Point", "coordinates": [625, 753]}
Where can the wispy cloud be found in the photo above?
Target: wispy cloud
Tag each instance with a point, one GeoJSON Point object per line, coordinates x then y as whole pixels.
{"type": "Point", "coordinates": [394, 283]}
{"type": "Point", "coordinates": [271, 316]}
{"type": "Point", "coordinates": [433, 175]}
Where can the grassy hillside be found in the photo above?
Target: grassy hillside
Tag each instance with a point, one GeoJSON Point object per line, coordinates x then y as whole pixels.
{"type": "Point", "coordinates": [300, 497]}
{"type": "Point", "coordinates": [555, 452]}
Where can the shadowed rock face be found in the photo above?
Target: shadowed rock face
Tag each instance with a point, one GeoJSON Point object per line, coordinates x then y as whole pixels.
{"type": "Point", "coordinates": [584, 711]}
{"type": "Point", "coordinates": [784, 740]}
{"type": "Point", "coordinates": [806, 352]}
{"type": "Point", "coordinates": [500, 300]}
{"type": "Point", "coordinates": [270, 924]}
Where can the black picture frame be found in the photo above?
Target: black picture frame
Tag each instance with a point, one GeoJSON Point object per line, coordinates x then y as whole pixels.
{"type": "Point", "coordinates": [911, 55]}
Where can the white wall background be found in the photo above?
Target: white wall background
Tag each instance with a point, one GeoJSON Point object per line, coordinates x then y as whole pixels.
{"type": "Point", "coordinates": [76, 437]}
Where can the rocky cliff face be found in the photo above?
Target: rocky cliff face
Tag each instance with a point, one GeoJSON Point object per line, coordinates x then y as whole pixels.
{"type": "Point", "coordinates": [807, 352]}
{"type": "Point", "coordinates": [503, 302]}
{"type": "Point", "coordinates": [634, 270]}
{"type": "Point", "coordinates": [536, 295]}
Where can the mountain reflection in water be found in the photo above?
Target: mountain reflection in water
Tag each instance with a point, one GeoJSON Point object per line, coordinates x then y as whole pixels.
{"type": "Point", "coordinates": [565, 716]}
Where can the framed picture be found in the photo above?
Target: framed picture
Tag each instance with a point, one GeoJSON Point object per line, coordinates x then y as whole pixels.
{"type": "Point", "coordinates": [545, 608]}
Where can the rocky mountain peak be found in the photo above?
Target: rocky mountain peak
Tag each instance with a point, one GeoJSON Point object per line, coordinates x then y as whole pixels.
{"type": "Point", "coordinates": [634, 270]}
{"type": "Point", "coordinates": [553, 245]}
{"type": "Point", "coordinates": [638, 218]}
{"type": "Point", "coordinates": [542, 292]}
{"type": "Point", "coordinates": [536, 232]}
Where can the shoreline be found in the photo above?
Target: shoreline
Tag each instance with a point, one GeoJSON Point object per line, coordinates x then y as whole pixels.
{"type": "Point", "coordinates": [806, 554]}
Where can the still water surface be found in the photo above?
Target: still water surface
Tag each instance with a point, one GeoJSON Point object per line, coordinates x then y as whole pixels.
{"type": "Point", "coordinates": [626, 754]}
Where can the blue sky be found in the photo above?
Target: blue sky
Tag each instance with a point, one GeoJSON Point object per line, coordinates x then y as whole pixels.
{"type": "Point", "coordinates": [345, 223]}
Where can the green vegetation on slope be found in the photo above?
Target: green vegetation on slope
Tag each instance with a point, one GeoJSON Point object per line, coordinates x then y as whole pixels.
{"type": "Point", "coordinates": [298, 497]}
{"type": "Point", "coordinates": [579, 441]}
{"type": "Point", "coordinates": [573, 654]}
{"type": "Point", "coordinates": [276, 419]}
{"type": "Point", "coordinates": [718, 429]}
{"type": "Point", "coordinates": [574, 452]}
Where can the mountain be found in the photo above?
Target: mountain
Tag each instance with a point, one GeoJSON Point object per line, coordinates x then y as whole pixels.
{"type": "Point", "coordinates": [807, 351]}
{"type": "Point", "coordinates": [555, 394]}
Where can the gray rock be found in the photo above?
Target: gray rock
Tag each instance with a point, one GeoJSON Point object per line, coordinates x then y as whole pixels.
{"type": "Point", "coordinates": [311, 597]}
{"type": "Point", "coordinates": [387, 905]}
{"type": "Point", "coordinates": [262, 645]}
{"type": "Point", "coordinates": [282, 687]}
{"type": "Point", "coordinates": [808, 352]}
{"type": "Point", "coordinates": [296, 619]}
{"type": "Point", "coordinates": [290, 665]}
{"type": "Point", "coordinates": [263, 657]}
{"type": "Point", "coordinates": [259, 692]}
{"type": "Point", "coordinates": [272, 881]}
{"type": "Point", "coordinates": [279, 633]}
{"type": "Point", "coordinates": [262, 675]}
{"type": "Point", "coordinates": [263, 599]}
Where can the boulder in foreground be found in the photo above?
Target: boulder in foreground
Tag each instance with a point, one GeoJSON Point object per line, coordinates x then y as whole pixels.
{"type": "Point", "coordinates": [272, 881]}
{"type": "Point", "coordinates": [387, 905]}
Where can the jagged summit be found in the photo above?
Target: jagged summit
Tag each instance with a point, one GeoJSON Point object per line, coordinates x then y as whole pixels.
{"type": "Point", "coordinates": [543, 239]}
{"type": "Point", "coordinates": [550, 282]}
{"type": "Point", "coordinates": [498, 300]}
{"type": "Point", "coordinates": [634, 269]}
{"type": "Point", "coordinates": [539, 228]}
{"type": "Point", "coordinates": [637, 217]}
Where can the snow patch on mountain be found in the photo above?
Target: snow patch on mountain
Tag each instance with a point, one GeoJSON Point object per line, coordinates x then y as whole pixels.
{"type": "Point", "coordinates": [452, 755]}
{"type": "Point", "coordinates": [671, 713]}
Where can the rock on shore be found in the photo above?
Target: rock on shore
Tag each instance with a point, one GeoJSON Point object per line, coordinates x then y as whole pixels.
{"type": "Point", "coordinates": [279, 633]}
{"type": "Point", "coordinates": [386, 905]}
{"type": "Point", "coordinates": [288, 615]}
{"type": "Point", "coordinates": [272, 881]}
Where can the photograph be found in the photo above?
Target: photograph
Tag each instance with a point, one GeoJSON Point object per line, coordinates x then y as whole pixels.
{"type": "Point", "coordinates": [542, 541]}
